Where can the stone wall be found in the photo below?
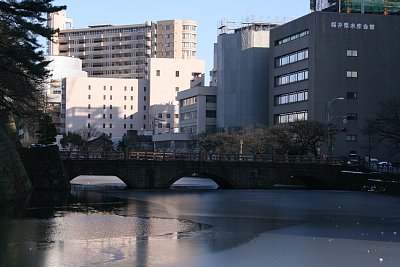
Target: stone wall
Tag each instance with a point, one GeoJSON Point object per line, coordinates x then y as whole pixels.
{"type": "Point", "coordinates": [45, 168]}
{"type": "Point", "coordinates": [14, 180]}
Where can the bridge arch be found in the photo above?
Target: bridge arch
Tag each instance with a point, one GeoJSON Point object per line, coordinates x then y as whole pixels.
{"type": "Point", "coordinates": [97, 180]}
{"type": "Point", "coordinates": [222, 183]}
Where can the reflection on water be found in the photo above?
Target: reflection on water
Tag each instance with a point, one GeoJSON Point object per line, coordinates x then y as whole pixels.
{"type": "Point", "coordinates": [101, 227]}
{"type": "Point", "coordinates": [194, 183]}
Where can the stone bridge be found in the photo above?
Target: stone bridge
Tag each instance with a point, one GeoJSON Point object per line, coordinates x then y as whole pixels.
{"type": "Point", "coordinates": [139, 173]}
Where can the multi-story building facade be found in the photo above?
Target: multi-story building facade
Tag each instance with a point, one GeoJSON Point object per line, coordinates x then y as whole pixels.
{"type": "Point", "coordinates": [123, 51]}
{"type": "Point", "coordinates": [60, 67]}
{"type": "Point", "coordinates": [335, 68]}
{"type": "Point", "coordinates": [241, 74]}
{"type": "Point", "coordinates": [198, 110]}
{"type": "Point", "coordinates": [107, 105]}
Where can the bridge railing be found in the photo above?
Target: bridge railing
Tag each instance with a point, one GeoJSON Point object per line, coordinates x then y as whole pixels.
{"type": "Point", "coordinates": [114, 155]}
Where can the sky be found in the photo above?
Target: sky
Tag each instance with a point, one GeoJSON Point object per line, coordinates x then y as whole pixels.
{"type": "Point", "coordinates": [208, 15]}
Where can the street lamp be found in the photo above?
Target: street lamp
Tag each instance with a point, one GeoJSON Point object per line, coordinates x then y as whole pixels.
{"type": "Point", "coordinates": [328, 121]}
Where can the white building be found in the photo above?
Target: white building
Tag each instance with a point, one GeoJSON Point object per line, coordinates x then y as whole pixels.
{"type": "Point", "coordinates": [108, 105]}
{"type": "Point", "coordinates": [169, 76]}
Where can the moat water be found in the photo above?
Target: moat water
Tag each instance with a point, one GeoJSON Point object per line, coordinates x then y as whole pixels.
{"type": "Point", "coordinates": [109, 226]}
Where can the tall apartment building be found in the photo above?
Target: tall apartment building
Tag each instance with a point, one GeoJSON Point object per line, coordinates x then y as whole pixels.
{"type": "Point", "coordinates": [123, 51]}
{"type": "Point", "coordinates": [335, 68]}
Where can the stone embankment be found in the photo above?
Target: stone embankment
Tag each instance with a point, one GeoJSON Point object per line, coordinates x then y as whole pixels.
{"type": "Point", "coordinates": [14, 180]}
{"type": "Point", "coordinates": [45, 168]}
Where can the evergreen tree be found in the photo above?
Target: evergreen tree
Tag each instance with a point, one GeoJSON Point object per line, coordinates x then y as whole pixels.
{"type": "Point", "coordinates": [47, 130]}
{"type": "Point", "coordinates": [22, 63]}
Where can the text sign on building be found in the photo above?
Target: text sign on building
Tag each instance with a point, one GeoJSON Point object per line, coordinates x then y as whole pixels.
{"type": "Point", "coordinates": [352, 26]}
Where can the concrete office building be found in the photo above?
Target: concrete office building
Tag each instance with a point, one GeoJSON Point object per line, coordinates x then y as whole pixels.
{"type": "Point", "coordinates": [329, 67]}
{"type": "Point", "coordinates": [241, 75]}
{"type": "Point", "coordinates": [198, 110]}
{"type": "Point", "coordinates": [197, 114]}
{"type": "Point", "coordinates": [108, 105]}
{"type": "Point", "coordinates": [123, 51]}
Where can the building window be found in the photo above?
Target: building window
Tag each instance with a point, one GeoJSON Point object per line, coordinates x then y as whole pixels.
{"type": "Point", "coordinates": [88, 116]}
{"type": "Point", "coordinates": [110, 135]}
{"type": "Point", "coordinates": [104, 125]}
{"type": "Point", "coordinates": [291, 117]}
{"type": "Point", "coordinates": [189, 115]}
{"type": "Point", "coordinates": [124, 107]}
{"type": "Point", "coordinates": [158, 72]}
{"type": "Point", "coordinates": [144, 89]}
{"type": "Point", "coordinates": [351, 95]}
{"type": "Point", "coordinates": [110, 116]}
{"type": "Point", "coordinates": [211, 99]}
{"type": "Point", "coordinates": [88, 96]}
{"type": "Point", "coordinates": [132, 97]}
{"type": "Point", "coordinates": [351, 74]}
{"type": "Point", "coordinates": [211, 113]}
{"type": "Point", "coordinates": [168, 115]}
{"type": "Point", "coordinates": [159, 115]}
{"type": "Point", "coordinates": [124, 116]}
{"type": "Point", "coordinates": [176, 89]}
{"type": "Point", "coordinates": [88, 106]}
{"type": "Point", "coordinates": [131, 116]}
{"type": "Point", "coordinates": [104, 97]}
{"type": "Point", "coordinates": [293, 97]}
{"type": "Point", "coordinates": [291, 77]}
{"type": "Point", "coordinates": [124, 125]}
{"type": "Point", "coordinates": [144, 98]}
{"type": "Point", "coordinates": [110, 88]}
{"type": "Point", "coordinates": [351, 138]}
{"type": "Point", "coordinates": [104, 87]}
{"type": "Point", "coordinates": [124, 97]}
{"type": "Point", "coordinates": [104, 116]}
{"type": "Point", "coordinates": [351, 116]}
{"type": "Point", "coordinates": [188, 101]}
{"type": "Point", "coordinates": [291, 58]}
{"type": "Point", "coordinates": [352, 53]}
{"type": "Point", "coordinates": [292, 37]}
{"type": "Point", "coordinates": [144, 107]}
{"type": "Point", "coordinates": [176, 116]}
{"type": "Point", "coordinates": [131, 126]}
{"type": "Point", "coordinates": [177, 73]}
{"type": "Point", "coordinates": [131, 107]}
{"type": "Point", "coordinates": [104, 106]}
{"type": "Point", "coordinates": [125, 89]}
{"type": "Point", "coordinates": [144, 117]}
{"type": "Point", "coordinates": [89, 87]}
{"type": "Point", "coordinates": [110, 125]}
{"type": "Point", "coordinates": [159, 125]}
{"type": "Point", "coordinates": [110, 106]}
{"type": "Point", "coordinates": [168, 125]}
{"type": "Point", "coordinates": [88, 125]}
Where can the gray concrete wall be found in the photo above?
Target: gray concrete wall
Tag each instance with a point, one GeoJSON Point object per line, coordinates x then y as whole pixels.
{"type": "Point", "coordinates": [242, 81]}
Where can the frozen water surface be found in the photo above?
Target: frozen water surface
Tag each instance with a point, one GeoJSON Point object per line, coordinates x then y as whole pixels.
{"type": "Point", "coordinates": [204, 228]}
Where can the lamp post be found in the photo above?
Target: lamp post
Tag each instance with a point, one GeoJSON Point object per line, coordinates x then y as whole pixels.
{"type": "Point", "coordinates": [328, 121]}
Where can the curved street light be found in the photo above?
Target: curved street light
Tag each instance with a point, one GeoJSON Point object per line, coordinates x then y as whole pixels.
{"type": "Point", "coordinates": [328, 121]}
